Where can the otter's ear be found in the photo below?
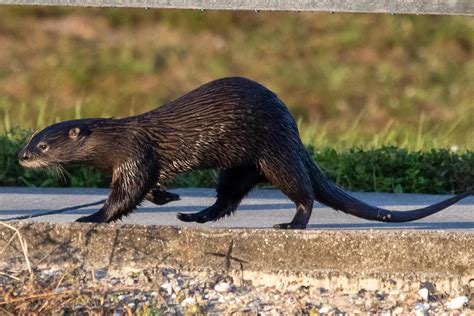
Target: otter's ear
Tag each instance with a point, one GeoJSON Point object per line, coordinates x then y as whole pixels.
{"type": "Point", "coordinates": [74, 132]}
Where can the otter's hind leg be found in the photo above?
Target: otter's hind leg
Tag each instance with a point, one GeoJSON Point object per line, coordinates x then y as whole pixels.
{"type": "Point", "coordinates": [159, 196]}
{"type": "Point", "coordinates": [291, 177]}
{"type": "Point", "coordinates": [232, 186]}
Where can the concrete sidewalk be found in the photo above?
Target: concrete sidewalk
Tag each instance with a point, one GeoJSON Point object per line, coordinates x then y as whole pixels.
{"type": "Point", "coordinates": [261, 209]}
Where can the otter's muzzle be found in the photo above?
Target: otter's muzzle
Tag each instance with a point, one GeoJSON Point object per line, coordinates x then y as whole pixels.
{"type": "Point", "coordinates": [28, 160]}
{"type": "Point", "coordinates": [23, 156]}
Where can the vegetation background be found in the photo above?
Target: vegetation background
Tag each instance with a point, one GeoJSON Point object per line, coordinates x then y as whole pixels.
{"type": "Point", "coordinates": [356, 82]}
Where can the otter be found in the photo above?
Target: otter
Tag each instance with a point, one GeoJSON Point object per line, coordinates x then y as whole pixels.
{"type": "Point", "coordinates": [234, 124]}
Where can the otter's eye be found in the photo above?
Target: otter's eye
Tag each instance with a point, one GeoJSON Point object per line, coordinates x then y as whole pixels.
{"type": "Point", "coordinates": [43, 146]}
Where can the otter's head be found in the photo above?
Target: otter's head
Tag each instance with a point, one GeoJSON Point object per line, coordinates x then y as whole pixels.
{"type": "Point", "coordinates": [58, 144]}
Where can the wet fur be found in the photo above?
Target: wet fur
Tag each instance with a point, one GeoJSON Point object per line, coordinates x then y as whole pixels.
{"type": "Point", "coordinates": [234, 124]}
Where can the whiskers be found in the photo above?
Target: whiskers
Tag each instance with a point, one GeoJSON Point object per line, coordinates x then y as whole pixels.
{"type": "Point", "coordinates": [60, 172]}
{"type": "Point", "coordinates": [49, 168]}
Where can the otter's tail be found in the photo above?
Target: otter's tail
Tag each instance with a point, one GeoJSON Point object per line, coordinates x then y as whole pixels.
{"type": "Point", "coordinates": [331, 195]}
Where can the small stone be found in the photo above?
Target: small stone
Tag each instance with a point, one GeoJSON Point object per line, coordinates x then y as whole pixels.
{"type": "Point", "coordinates": [457, 303]}
{"type": "Point", "coordinates": [471, 283]}
{"type": "Point", "coordinates": [60, 289]}
{"type": "Point", "coordinates": [424, 293]}
{"type": "Point", "coordinates": [100, 273]}
{"type": "Point", "coordinates": [421, 308]}
{"type": "Point", "coordinates": [380, 295]}
{"type": "Point", "coordinates": [222, 287]}
{"type": "Point", "coordinates": [325, 309]}
{"type": "Point", "coordinates": [323, 290]}
{"type": "Point", "coordinates": [188, 301]}
{"type": "Point", "coordinates": [180, 282]}
{"type": "Point", "coordinates": [129, 281]}
{"type": "Point", "coordinates": [167, 288]}
{"type": "Point", "coordinates": [115, 281]}
{"type": "Point", "coordinates": [362, 293]}
{"type": "Point", "coordinates": [429, 286]}
{"type": "Point", "coordinates": [121, 297]}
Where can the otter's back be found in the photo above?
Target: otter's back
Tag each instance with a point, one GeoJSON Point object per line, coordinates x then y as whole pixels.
{"type": "Point", "coordinates": [223, 122]}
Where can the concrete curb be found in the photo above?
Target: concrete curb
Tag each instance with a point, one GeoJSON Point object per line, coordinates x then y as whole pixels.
{"type": "Point", "coordinates": [349, 259]}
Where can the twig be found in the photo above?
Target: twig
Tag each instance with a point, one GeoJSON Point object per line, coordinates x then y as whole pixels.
{"type": "Point", "coordinates": [128, 310]}
{"type": "Point", "coordinates": [163, 299]}
{"type": "Point", "coordinates": [10, 276]}
{"type": "Point", "coordinates": [45, 304]}
{"type": "Point", "coordinates": [66, 293]}
{"type": "Point", "coordinates": [24, 248]}
{"type": "Point", "coordinates": [228, 256]}
{"type": "Point", "coordinates": [68, 270]}
{"type": "Point", "coordinates": [5, 312]}
{"type": "Point", "coordinates": [59, 211]}
{"type": "Point", "coordinates": [36, 296]}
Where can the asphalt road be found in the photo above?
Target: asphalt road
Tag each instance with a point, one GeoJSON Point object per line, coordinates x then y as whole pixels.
{"type": "Point", "coordinates": [261, 209]}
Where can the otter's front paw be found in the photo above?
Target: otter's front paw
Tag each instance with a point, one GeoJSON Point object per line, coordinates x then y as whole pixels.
{"type": "Point", "coordinates": [93, 218]}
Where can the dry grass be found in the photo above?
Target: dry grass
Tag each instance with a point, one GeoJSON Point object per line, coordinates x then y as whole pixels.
{"type": "Point", "coordinates": [24, 249]}
{"type": "Point", "coordinates": [27, 291]}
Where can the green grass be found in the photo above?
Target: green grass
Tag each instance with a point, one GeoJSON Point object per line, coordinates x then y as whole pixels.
{"type": "Point", "coordinates": [386, 169]}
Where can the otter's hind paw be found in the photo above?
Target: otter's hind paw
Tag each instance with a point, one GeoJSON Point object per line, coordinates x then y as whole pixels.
{"type": "Point", "coordinates": [193, 217]}
{"type": "Point", "coordinates": [289, 226]}
{"type": "Point", "coordinates": [161, 197]}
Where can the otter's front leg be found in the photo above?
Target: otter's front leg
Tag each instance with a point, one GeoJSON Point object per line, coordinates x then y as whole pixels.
{"type": "Point", "coordinates": [130, 184]}
{"type": "Point", "coordinates": [160, 196]}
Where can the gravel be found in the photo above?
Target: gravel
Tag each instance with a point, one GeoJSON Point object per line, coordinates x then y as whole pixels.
{"type": "Point", "coordinates": [169, 291]}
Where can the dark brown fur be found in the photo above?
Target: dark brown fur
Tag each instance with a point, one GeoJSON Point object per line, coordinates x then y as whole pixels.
{"type": "Point", "coordinates": [234, 124]}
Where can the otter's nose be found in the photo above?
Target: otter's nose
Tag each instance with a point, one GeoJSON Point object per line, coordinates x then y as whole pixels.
{"type": "Point", "coordinates": [23, 156]}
